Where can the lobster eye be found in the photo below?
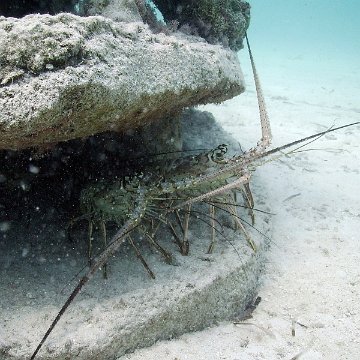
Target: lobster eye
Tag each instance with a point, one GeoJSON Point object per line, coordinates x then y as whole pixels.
{"type": "Point", "coordinates": [217, 154]}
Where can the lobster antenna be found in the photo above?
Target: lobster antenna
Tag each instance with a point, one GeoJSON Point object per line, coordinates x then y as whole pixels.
{"type": "Point", "coordinates": [118, 239]}
{"type": "Point", "coordinates": [264, 119]}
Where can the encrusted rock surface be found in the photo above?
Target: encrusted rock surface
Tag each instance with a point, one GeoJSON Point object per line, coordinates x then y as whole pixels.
{"type": "Point", "coordinates": [217, 21]}
{"type": "Point", "coordinates": [64, 77]}
{"type": "Point", "coordinates": [117, 10]}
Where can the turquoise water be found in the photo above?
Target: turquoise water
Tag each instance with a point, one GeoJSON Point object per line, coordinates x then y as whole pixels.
{"type": "Point", "coordinates": [308, 25]}
{"type": "Point", "coordinates": [307, 50]}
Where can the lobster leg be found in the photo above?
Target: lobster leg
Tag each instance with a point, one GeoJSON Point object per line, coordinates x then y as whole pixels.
{"type": "Point", "coordinates": [249, 200]}
{"type": "Point", "coordinates": [90, 242]}
{"type": "Point", "coordinates": [212, 217]}
{"type": "Point", "coordinates": [140, 257]}
{"type": "Point", "coordinates": [185, 242]}
{"type": "Point", "coordinates": [242, 228]}
{"type": "Point", "coordinates": [167, 256]}
{"type": "Point", "coordinates": [104, 236]}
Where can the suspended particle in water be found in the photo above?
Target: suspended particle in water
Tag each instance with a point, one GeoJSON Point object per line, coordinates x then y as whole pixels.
{"type": "Point", "coordinates": [34, 169]}
{"type": "Point", "coordinates": [5, 226]}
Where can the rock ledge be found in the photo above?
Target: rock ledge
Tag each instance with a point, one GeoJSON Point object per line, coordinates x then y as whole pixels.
{"type": "Point", "coordinates": [64, 77]}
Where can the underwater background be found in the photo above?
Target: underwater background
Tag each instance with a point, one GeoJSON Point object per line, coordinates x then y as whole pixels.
{"type": "Point", "coordinates": [314, 26]}
{"type": "Point", "coordinates": [313, 44]}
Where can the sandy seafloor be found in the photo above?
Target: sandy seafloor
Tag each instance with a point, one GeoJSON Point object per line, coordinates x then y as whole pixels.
{"type": "Point", "coordinates": [311, 81]}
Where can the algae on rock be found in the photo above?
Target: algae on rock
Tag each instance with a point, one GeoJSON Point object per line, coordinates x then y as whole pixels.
{"type": "Point", "coordinates": [218, 21]}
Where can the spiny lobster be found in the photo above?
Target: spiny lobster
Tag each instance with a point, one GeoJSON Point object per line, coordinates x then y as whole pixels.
{"type": "Point", "coordinates": [183, 183]}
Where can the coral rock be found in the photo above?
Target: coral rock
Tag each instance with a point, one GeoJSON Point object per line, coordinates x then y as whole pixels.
{"type": "Point", "coordinates": [64, 77]}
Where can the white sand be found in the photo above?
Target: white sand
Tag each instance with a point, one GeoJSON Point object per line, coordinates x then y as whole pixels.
{"type": "Point", "coordinates": [313, 272]}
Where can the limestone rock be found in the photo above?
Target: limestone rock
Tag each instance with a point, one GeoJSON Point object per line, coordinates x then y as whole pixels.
{"type": "Point", "coordinates": [217, 21]}
{"type": "Point", "coordinates": [64, 77]}
{"type": "Point", "coordinates": [117, 10]}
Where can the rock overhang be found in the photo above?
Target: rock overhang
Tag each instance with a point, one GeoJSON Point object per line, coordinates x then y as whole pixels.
{"type": "Point", "coordinates": [64, 77]}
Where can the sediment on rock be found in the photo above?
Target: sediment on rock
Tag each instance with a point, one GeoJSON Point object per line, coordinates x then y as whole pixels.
{"type": "Point", "coordinates": [223, 22]}
{"type": "Point", "coordinates": [64, 77]}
